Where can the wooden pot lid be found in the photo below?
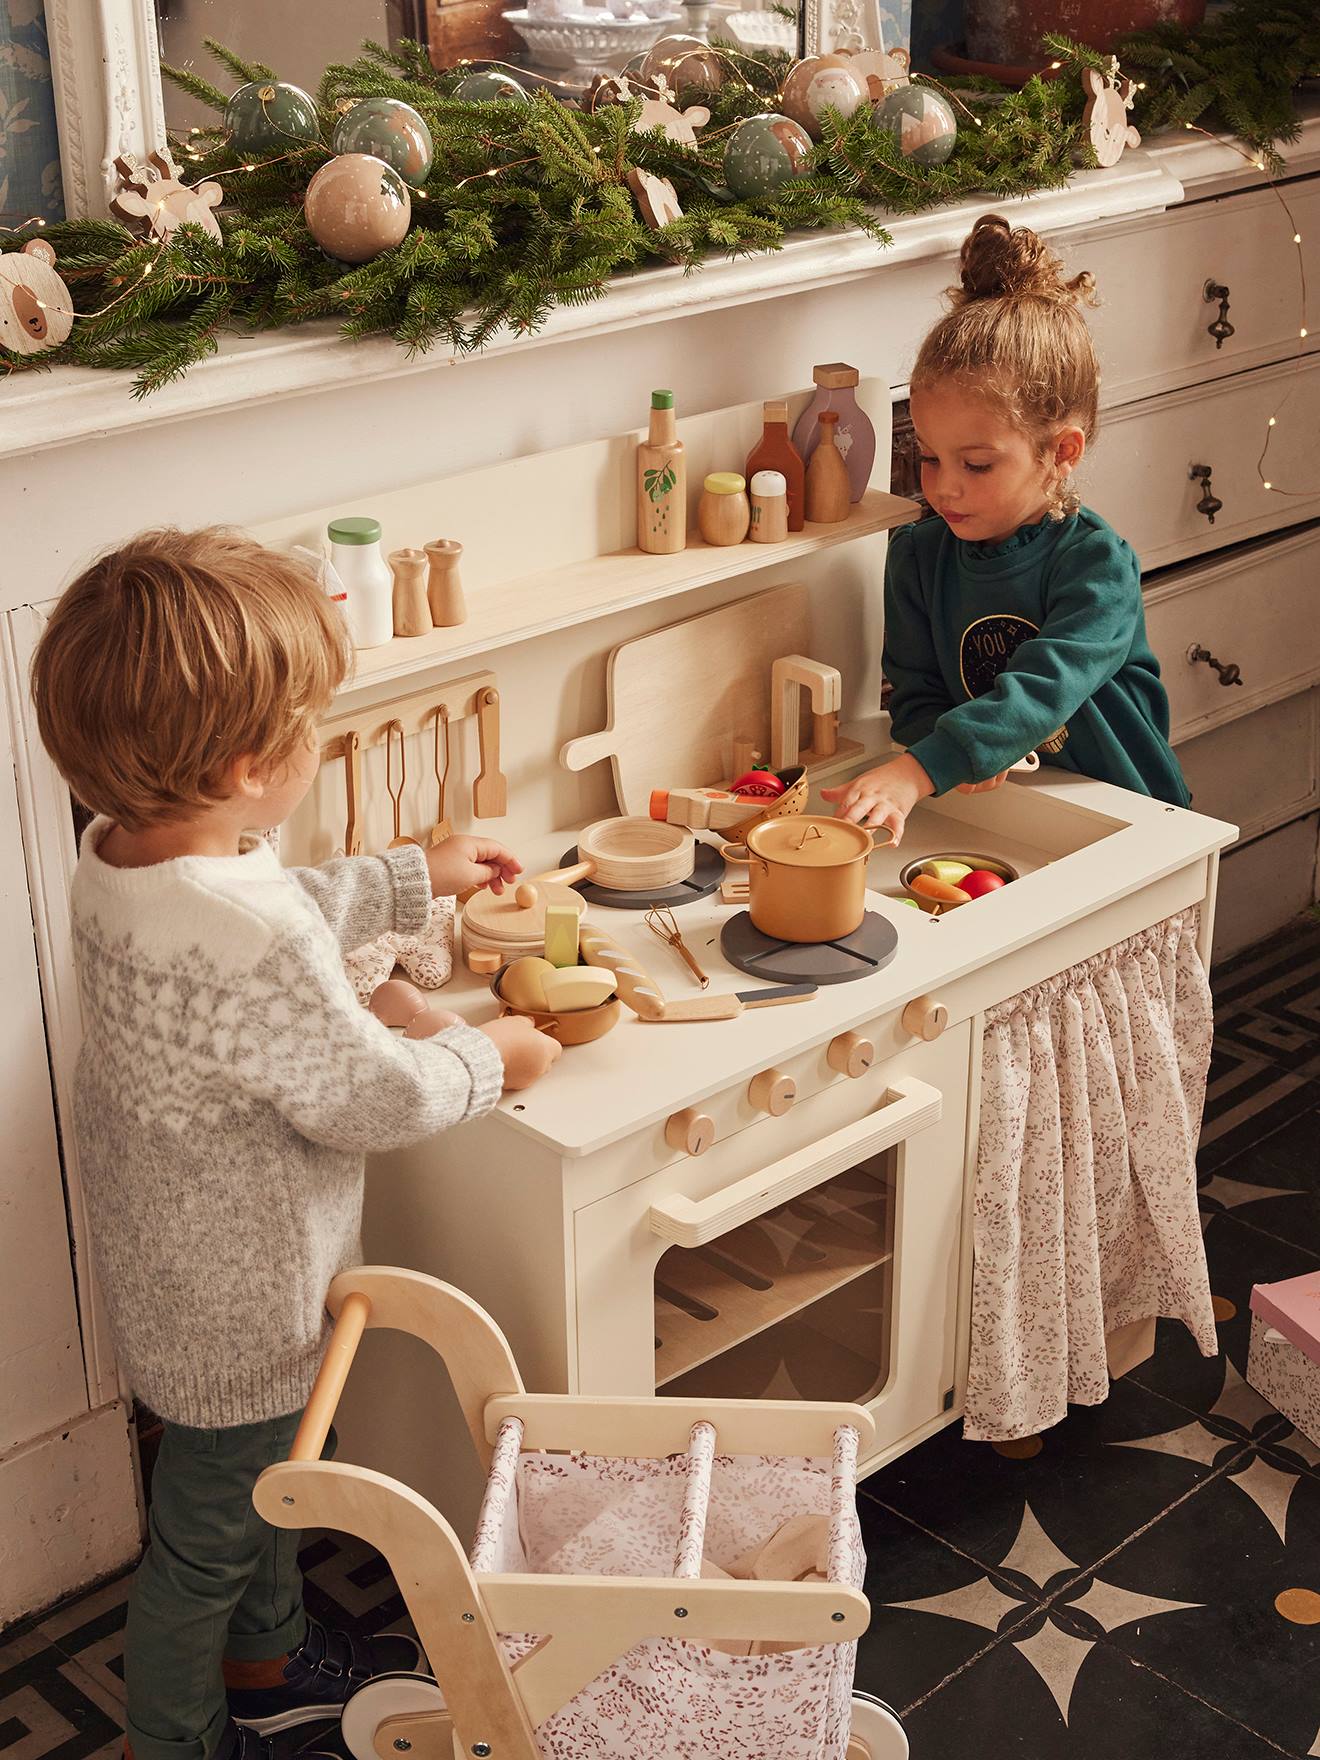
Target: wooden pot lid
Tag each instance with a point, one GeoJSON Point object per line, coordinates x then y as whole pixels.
{"type": "Point", "coordinates": [810, 841]}
{"type": "Point", "coordinates": [502, 918]}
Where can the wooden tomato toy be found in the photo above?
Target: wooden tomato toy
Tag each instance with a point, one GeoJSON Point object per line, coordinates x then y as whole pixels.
{"type": "Point", "coordinates": [761, 784]}
{"type": "Point", "coordinates": [980, 881]}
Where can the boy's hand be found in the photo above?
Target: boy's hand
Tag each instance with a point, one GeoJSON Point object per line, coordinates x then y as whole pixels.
{"type": "Point", "coordinates": [527, 1053]}
{"type": "Point", "coordinates": [884, 796]}
{"type": "Point", "coordinates": [460, 863]}
{"type": "Point", "coordinates": [984, 787]}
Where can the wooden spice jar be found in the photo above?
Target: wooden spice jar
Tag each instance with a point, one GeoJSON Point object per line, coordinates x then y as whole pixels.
{"type": "Point", "coordinates": [769, 508]}
{"type": "Point", "coordinates": [723, 513]}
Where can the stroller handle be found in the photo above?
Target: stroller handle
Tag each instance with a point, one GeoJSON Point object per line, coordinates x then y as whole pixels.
{"type": "Point", "coordinates": [328, 1388]}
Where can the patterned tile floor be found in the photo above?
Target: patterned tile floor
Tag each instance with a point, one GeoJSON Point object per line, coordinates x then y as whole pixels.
{"type": "Point", "coordinates": [1142, 1581]}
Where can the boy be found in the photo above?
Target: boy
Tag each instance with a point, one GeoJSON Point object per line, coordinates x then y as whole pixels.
{"type": "Point", "coordinates": [229, 1087]}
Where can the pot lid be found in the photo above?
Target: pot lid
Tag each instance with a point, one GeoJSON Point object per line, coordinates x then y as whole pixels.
{"type": "Point", "coordinates": [811, 841]}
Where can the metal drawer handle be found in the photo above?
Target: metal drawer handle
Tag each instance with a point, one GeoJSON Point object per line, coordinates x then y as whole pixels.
{"type": "Point", "coordinates": [909, 1106]}
{"type": "Point", "coordinates": [1221, 329]}
{"type": "Point", "coordinates": [1209, 504]}
{"type": "Point", "coordinates": [1230, 673]}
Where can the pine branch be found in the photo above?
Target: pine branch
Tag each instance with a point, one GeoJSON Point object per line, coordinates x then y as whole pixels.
{"type": "Point", "coordinates": [245, 72]}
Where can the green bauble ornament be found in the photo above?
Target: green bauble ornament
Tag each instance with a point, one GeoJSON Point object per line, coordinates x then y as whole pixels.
{"type": "Point", "coordinates": [764, 152]}
{"type": "Point", "coordinates": [390, 130]}
{"type": "Point", "coordinates": [490, 88]}
{"type": "Point", "coordinates": [920, 121]}
{"type": "Point", "coordinates": [356, 207]}
{"type": "Point", "coordinates": [269, 116]}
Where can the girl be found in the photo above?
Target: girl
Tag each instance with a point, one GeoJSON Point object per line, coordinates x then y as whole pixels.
{"type": "Point", "coordinates": [1013, 622]}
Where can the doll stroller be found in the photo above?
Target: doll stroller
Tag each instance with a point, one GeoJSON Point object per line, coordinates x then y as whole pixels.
{"type": "Point", "coordinates": [632, 1594]}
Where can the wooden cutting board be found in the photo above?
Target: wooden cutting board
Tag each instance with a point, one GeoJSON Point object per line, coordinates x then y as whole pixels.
{"type": "Point", "coordinates": [676, 699]}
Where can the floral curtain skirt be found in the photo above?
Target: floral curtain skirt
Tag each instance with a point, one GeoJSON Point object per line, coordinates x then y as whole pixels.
{"type": "Point", "coordinates": [1086, 1220]}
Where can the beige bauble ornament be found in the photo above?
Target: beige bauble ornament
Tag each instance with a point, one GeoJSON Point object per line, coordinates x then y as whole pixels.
{"type": "Point", "coordinates": [681, 62]}
{"type": "Point", "coordinates": [356, 207]}
{"type": "Point", "coordinates": [818, 83]}
{"type": "Point", "coordinates": [36, 312]}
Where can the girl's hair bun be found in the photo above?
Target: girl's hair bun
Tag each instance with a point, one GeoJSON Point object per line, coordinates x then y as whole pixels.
{"type": "Point", "coordinates": [999, 261]}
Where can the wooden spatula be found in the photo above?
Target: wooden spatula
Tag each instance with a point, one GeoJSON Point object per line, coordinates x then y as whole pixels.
{"type": "Point", "coordinates": [490, 791]}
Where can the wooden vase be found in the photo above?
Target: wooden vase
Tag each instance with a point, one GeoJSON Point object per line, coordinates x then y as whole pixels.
{"type": "Point", "coordinates": [444, 589]}
{"type": "Point", "coordinates": [412, 613]}
{"type": "Point", "coordinates": [829, 493]}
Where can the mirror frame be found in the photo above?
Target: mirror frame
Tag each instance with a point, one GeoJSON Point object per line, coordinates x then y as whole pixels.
{"type": "Point", "coordinates": [105, 66]}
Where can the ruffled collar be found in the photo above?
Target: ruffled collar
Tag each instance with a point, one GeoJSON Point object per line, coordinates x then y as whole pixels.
{"type": "Point", "coordinates": [1020, 540]}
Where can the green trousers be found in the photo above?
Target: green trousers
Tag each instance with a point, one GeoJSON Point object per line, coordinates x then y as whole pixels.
{"type": "Point", "coordinates": [215, 1581]}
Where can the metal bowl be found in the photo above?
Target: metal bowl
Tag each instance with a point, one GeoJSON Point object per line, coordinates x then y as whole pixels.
{"type": "Point", "coordinates": [992, 865]}
{"type": "Point", "coordinates": [589, 45]}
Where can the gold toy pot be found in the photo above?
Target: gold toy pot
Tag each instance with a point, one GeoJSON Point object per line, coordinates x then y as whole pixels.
{"type": "Point", "coordinates": [807, 876]}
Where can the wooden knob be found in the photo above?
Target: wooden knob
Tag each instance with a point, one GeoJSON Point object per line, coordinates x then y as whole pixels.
{"type": "Point", "coordinates": [850, 1054]}
{"type": "Point", "coordinates": [925, 1018]}
{"type": "Point", "coordinates": [526, 895]}
{"type": "Point", "coordinates": [772, 1091]}
{"type": "Point", "coordinates": [691, 1131]}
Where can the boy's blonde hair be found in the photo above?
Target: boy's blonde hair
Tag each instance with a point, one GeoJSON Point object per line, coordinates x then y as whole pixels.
{"type": "Point", "coordinates": [169, 658]}
{"type": "Point", "coordinates": [1016, 334]}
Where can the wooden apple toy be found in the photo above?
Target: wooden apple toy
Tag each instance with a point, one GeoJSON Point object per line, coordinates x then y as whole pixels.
{"type": "Point", "coordinates": [980, 881]}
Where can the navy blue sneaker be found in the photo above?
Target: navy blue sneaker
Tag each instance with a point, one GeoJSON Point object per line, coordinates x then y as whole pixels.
{"type": "Point", "coordinates": [312, 1683]}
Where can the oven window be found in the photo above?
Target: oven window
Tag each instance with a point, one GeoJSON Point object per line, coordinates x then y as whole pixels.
{"type": "Point", "coordinates": [796, 1304]}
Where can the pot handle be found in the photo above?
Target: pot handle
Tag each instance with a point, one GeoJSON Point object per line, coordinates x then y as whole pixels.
{"type": "Point", "coordinates": [736, 853]}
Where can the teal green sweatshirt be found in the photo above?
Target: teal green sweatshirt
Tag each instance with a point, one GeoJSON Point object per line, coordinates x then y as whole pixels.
{"type": "Point", "coordinates": [1035, 644]}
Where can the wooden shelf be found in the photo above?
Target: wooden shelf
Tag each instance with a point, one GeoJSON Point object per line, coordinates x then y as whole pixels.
{"type": "Point", "coordinates": [709, 1300]}
{"type": "Point", "coordinates": [576, 592]}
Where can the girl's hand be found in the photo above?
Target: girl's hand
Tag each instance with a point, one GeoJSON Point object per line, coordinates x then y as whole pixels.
{"type": "Point", "coordinates": [462, 862]}
{"type": "Point", "coordinates": [884, 796]}
{"type": "Point", "coordinates": [984, 787]}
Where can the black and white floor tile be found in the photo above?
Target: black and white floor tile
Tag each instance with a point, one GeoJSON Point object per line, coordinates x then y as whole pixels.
{"type": "Point", "coordinates": [1141, 1581]}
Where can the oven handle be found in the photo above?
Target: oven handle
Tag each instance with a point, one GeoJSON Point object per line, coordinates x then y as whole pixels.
{"type": "Point", "coordinates": [909, 1106]}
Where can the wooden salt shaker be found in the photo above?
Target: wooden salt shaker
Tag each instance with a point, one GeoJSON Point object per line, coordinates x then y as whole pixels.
{"type": "Point", "coordinates": [723, 514]}
{"type": "Point", "coordinates": [412, 613]}
{"type": "Point", "coordinates": [444, 589]}
{"type": "Point", "coordinates": [829, 493]}
{"type": "Point", "coordinates": [769, 508]}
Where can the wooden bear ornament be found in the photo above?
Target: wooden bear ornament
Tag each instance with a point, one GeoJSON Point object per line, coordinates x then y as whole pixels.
{"type": "Point", "coordinates": [1105, 115]}
{"type": "Point", "coordinates": [36, 312]}
{"type": "Point", "coordinates": [153, 192]}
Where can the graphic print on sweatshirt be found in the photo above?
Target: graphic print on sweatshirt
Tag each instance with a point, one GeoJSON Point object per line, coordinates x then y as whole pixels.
{"type": "Point", "coordinates": [986, 648]}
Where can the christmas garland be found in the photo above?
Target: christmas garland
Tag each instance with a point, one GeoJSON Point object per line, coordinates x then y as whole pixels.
{"type": "Point", "coordinates": [527, 206]}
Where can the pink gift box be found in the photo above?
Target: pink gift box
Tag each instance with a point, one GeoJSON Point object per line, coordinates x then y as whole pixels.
{"type": "Point", "coordinates": [1283, 1362]}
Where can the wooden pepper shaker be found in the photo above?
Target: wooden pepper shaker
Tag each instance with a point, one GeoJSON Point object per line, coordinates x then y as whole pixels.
{"type": "Point", "coordinates": [444, 589]}
{"type": "Point", "coordinates": [829, 493]}
{"type": "Point", "coordinates": [723, 513]}
{"type": "Point", "coordinates": [769, 508]}
{"type": "Point", "coordinates": [412, 613]}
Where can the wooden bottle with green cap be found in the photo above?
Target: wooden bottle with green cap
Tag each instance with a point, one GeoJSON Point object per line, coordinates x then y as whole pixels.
{"type": "Point", "coordinates": [661, 482]}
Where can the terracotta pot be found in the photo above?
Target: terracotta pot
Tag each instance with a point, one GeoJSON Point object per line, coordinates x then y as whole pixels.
{"type": "Point", "coordinates": [807, 876]}
{"type": "Point", "coordinates": [1000, 31]}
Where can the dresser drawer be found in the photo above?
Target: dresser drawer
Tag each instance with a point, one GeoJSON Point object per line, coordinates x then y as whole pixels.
{"type": "Point", "coordinates": [1140, 477]}
{"type": "Point", "coordinates": [1258, 772]}
{"type": "Point", "coordinates": [1152, 325]}
{"type": "Point", "coordinates": [1257, 608]}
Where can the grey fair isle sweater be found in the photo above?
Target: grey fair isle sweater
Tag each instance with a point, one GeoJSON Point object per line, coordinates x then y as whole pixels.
{"type": "Point", "coordinates": [228, 1089]}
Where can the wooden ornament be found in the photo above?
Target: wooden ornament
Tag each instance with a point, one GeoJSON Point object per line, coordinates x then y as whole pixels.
{"type": "Point", "coordinates": [677, 125]}
{"type": "Point", "coordinates": [36, 312]}
{"type": "Point", "coordinates": [1105, 115]}
{"type": "Point", "coordinates": [153, 193]}
{"type": "Point", "coordinates": [412, 613]}
{"type": "Point", "coordinates": [828, 490]}
{"type": "Point", "coordinates": [656, 198]}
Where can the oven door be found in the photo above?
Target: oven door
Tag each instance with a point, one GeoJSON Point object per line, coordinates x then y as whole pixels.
{"type": "Point", "coordinates": [828, 1272]}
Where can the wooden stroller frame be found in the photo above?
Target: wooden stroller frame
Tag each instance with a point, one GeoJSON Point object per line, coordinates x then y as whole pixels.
{"type": "Point", "coordinates": [492, 1709]}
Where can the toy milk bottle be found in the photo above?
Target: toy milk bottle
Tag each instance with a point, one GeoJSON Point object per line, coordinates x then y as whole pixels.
{"type": "Point", "coordinates": [355, 557]}
{"type": "Point", "coordinates": [854, 436]}
{"type": "Point", "coordinates": [661, 482]}
{"type": "Point", "coordinates": [774, 451]}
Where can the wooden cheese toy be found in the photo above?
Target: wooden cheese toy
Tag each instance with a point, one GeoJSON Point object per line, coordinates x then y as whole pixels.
{"type": "Point", "coordinates": [561, 934]}
{"type": "Point", "coordinates": [574, 987]}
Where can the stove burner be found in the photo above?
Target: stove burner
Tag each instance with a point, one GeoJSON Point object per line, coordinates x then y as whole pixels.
{"type": "Point", "coordinates": [704, 879]}
{"type": "Point", "coordinates": [865, 951]}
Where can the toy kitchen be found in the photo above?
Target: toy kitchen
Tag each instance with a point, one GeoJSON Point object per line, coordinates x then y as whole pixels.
{"type": "Point", "coordinates": [751, 1172]}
